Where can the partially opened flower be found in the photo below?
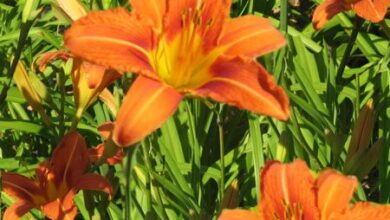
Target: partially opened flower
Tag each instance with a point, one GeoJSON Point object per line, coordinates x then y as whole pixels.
{"type": "Point", "coordinates": [180, 47]}
{"type": "Point", "coordinates": [88, 79]}
{"type": "Point", "coordinates": [290, 192]}
{"type": "Point", "coordinates": [57, 181]}
{"type": "Point", "coordinates": [372, 10]}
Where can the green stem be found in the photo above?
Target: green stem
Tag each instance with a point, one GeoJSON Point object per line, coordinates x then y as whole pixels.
{"type": "Point", "coordinates": [149, 207]}
{"type": "Point", "coordinates": [76, 119]}
{"type": "Point", "coordinates": [250, 7]}
{"type": "Point", "coordinates": [357, 107]}
{"type": "Point", "coordinates": [347, 52]}
{"type": "Point", "coordinates": [61, 115]}
{"type": "Point", "coordinates": [283, 15]}
{"type": "Point", "coordinates": [127, 191]}
{"type": "Point", "coordinates": [257, 150]}
{"type": "Point", "coordinates": [222, 155]}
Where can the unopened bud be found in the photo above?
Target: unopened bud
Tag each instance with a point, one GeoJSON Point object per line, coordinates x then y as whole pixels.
{"type": "Point", "coordinates": [24, 84]}
{"type": "Point", "coordinates": [71, 9]}
{"type": "Point", "coordinates": [230, 198]}
{"type": "Point", "coordinates": [361, 134]}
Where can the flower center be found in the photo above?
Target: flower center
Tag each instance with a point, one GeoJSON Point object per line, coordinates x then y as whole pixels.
{"type": "Point", "coordinates": [52, 190]}
{"type": "Point", "coordinates": [182, 62]}
{"type": "Point", "coordinates": [291, 212]}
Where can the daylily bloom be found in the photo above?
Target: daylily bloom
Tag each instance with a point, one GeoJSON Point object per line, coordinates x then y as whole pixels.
{"type": "Point", "coordinates": [290, 192]}
{"type": "Point", "coordinates": [178, 48]}
{"type": "Point", "coordinates": [89, 80]}
{"type": "Point", "coordinates": [97, 153]}
{"type": "Point", "coordinates": [56, 183]}
{"type": "Point", "coordinates": [373, 11]}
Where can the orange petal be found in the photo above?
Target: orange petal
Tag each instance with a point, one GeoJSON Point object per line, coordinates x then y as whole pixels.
{"type": "Point", "coordinates": [247, 85]}
{"type": "Point", "coordinates": [117, 158]}
{"type": "Point", "coordinates": [239, 214]}
{"type": "Point", "coordinates": [17, 210]}
{"type": "Point", "coordinates": [106, 129]}
{"type": "Point", "coordinates": [334, 192]}
{"type": "Point", "coordinates": [250, 36]}
{"type": "Point", "coordinates": [94, 74]}
{"type": "Point", "coordinates": [108, 99]}
{"type": "Point", "coordinates": [325, 11]}
{"type": "Point", "coordinates": [51, 56]}
{"type": "Point", "coordinates": [62, 208]}
{"type": "Point", "coordinates": [22, 188]}
{"type": "Point", "coordinates": [287, 188]}
{"type": "Point", "coordinates": [99, 76]}
{"type": "Point", "coordinates": [153, 10]}
{"type": "Point", "coordinates": [147, 105]}
{"type": "Point", "coordinates": [70, 158]}
{"type": "Point", "coordinates": [373, 11]}
{"type": "Point", "coordinates": [176, 17]}
{"type": "Point", "coordinates": [113, 38]}
{"type": "Point", "coordinates": [96, 153]}
{"type": "Point", "coordinates": [214, 16]}
{"type": "Point", "coordinates": [95, 182]}
{"type": "Point", "coordinates": [364, 211]}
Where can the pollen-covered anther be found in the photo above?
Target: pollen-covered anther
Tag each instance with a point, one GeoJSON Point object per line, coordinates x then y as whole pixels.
{"type": "Point", "coordinates": [292, 211]}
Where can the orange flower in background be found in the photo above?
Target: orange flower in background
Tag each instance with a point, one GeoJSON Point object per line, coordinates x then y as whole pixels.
{"type": "Point", "coordinates": [178, 48]}
{"type": "Point", "coordinates": [98, 152]}
{"type": "Point", "coordinates": [372, 10]}
{"type": "Point", "coordinates": [57, 182]}
{"type": "Point", "coordinates": [290, 192]}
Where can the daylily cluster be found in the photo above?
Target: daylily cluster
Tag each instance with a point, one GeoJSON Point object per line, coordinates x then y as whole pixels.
{"type": "Point", "coordinates": [290, 192]}
{"type": "Point", "coordinates": [372, 10]}
{"type": "Point", "coordinates": [56, 183]}
{"type": "Point", "coordinates": [180, 47]}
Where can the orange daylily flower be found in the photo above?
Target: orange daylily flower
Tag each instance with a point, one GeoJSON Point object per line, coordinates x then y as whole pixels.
{"type": "Point", "coordinates": [57, 182]}
{"type": "Point", "coordinates": [178, 48]}
{"type": "Point", "coordinates": [97, 153]}
{"type": "Point", "coordinates": [290, 192]}
{"type": "Point", "coordinates": [372, 10]}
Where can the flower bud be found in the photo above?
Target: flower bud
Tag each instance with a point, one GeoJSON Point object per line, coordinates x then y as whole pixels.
{"type": "Point", "coordinates": [361, 134]}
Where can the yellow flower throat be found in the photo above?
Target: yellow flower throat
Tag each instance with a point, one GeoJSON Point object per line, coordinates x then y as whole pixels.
{"type": "Point", "coordinates": [182, 62]}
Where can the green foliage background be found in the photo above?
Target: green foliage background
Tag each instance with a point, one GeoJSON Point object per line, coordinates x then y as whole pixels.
{"type": "Point", "coordinates": [175, 173]}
